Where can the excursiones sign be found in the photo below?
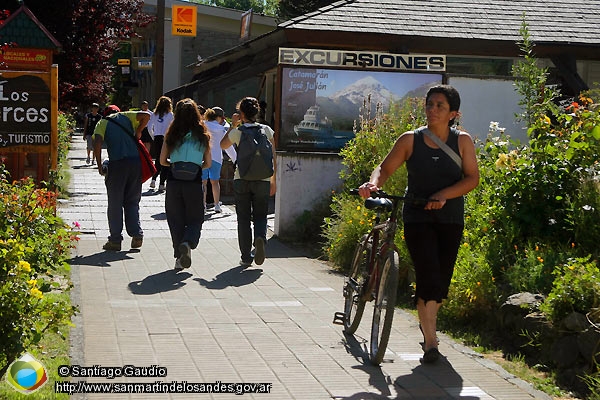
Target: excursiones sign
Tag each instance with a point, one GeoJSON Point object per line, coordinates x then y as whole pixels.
{"type": "Point", "coordinates": [362, 60]}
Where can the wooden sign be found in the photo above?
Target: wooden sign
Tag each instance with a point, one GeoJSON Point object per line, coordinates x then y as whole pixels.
{"type": "Point", "coordinates": [27, 59]}
{"type": "Point", "coordinates": [27, 111]}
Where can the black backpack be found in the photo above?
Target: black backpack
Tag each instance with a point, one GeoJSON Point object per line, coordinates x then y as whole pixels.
{"type": "Point", "coordinates": [254, 154]}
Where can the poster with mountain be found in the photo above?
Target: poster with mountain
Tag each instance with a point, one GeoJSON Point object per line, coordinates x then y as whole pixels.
{"type": "Point", "coordinates": [319, 106]}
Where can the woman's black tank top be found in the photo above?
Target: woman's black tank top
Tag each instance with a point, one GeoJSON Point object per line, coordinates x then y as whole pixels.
{"type": "Point", "coordinates": [429, 171]}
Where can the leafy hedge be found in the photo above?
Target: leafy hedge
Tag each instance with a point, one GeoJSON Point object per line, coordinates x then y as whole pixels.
{"type": "Point", "coordinates": [34, 246]}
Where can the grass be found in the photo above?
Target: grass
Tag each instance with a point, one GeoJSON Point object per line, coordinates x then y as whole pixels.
{"type": "Point", "coordinates": [486, 343]}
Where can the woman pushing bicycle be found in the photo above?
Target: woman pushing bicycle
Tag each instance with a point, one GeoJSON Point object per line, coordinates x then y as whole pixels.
{"type": "Point", "coordinates": [442, 166]}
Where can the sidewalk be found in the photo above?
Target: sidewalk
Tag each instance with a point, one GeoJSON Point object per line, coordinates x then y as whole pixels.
{"type": "Point", "coordinates": [217, 322]}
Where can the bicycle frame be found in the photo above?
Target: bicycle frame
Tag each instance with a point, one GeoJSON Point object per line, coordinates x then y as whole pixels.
{"type": "Point", "coordinates": [388, 229]}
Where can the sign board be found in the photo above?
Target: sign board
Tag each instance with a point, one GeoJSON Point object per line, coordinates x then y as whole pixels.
{"type": "Point", "coordinates": [143, 63]}
{"type": "Point", "coordinates": [245, 25]}
{"type": "Point", "coordinates": [123, 61]}
{"type": "Point", "coordinates": [27, 59]}
{"type": "Point", "coordinates": [356, 59]}
{"type": "Point", "coordinates": [319, 105]}
{"type": "Point", "coordinates": [27, 116]}
{"type": "Point", "coordinates": [184, 21]}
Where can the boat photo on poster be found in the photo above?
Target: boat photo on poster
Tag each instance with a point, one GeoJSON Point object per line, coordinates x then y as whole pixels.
{"type": "Point", "coordinates": [319, 106]}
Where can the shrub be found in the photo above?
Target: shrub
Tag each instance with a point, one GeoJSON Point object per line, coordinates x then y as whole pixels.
{"type": "Point", "coordinates": [473, 295]}
{"type": "Point", "coordinates": [576, 287]}
{"type": "Point", "coordinates": [59, 178]}
{"type": "Point", "coordinates": [34, 244]}
{"type": "Point", "coordinates": [374, 137]}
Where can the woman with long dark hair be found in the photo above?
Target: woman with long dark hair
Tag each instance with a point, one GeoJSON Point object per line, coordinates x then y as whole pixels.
{"type": "Point", "coordinates": [186, 150]}
{"type": "Point", "coordinates": [159, 122]}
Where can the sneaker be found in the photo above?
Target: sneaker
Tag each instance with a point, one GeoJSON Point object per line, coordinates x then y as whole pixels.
{"type": "Point", "coordinates": [218, 208]}
{"type": "Point", "coordinates": [245, 264]}
{"type": "Point", "coordinates": [152, 183]}
{"type": "Point", "coordinates": [136, 242]}
{"type": "Point", "coordinates": [259, 252]}
{"type": "Point", "coordinates": [178, 267]}
{"type": "Point", "coordinates": [185, 255]}
{"type": "Point", "coordinates": [161, 187]}
{"type": "Point", "coordinates": [87, 161]}
{"type": "Point", "coordinates": [112, 246]}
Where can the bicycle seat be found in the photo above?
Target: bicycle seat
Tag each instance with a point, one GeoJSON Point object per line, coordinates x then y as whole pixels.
{"type": "Point", "coordinates": [379, 204]}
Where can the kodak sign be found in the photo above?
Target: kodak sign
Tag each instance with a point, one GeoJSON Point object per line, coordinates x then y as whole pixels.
{"type": "Point", "coordinates": [184, 21]}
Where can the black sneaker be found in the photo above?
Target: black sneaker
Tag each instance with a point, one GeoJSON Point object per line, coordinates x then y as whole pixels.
{"type": "Point", "coordinates": [185, 255]}
{"type": "Point", "coordinates": [259, 252]}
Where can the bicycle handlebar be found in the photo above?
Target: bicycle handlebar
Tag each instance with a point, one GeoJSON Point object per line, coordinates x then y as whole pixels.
{"type": "Point", "coordinates": [384, 195]}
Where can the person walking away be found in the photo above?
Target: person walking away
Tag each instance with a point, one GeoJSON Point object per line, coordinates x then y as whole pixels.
{"type": "Point", "coordinates": [89, 123]}
{"type": "Point", "coordinates": [251, 196]}
{"type": "Point", "coordinates": [214, 172]}
{"type": "Point", "coordinates": [433, 232]}
{"type": "Point", "coordinates": [220, 118]}
{"type": "Point", "coordinates": [159, 122]}
{"type": "Point", "coordinates": [186, 150]}
{"type": "Point", "coordinates": [123, 180]}
{"type": "Point", "coordinates": [146, 136]}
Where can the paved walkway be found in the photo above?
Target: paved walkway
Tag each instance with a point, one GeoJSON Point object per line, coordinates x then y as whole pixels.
{"type": "Point", "coordinates": [217, 322]}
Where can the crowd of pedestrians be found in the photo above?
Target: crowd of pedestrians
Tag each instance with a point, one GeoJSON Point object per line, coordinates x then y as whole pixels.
{"type": "Point", "coordinates": [189, 145]}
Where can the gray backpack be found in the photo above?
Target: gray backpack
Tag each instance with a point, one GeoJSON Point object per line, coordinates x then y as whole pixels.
{"type": "Point", "coordinates": [254, 154]}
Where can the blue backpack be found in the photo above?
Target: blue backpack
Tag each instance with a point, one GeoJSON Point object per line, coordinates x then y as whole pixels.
{"type": "Point", "coordinates": [254, 154]}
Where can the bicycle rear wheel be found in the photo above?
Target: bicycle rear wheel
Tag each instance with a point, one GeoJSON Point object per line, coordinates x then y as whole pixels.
{"type": "Point", "coordinates": [385, 303]}
{"type": "Point", "coordinates": [354, 304]}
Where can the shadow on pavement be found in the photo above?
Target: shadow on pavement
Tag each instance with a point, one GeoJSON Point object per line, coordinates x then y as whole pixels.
{"type": "Point", "coordinates": [160, 216]}
{"type": "Point", "coordinates": [377, 379]}
{"type": "Point", "coordinates": [103, 259]}
{"type": "Point", "coordinates": [442, 373]}
{"type": "Point", "coordinates": [238, 276]}
{"type": "Point", "coordinates": [161, 282]}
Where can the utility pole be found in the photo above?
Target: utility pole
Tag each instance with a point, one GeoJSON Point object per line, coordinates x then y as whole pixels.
{"type": "Point", "coordinates": [160, 49]}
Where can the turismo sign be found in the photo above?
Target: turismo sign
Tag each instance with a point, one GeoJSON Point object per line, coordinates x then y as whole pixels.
{"type": "Point", "coordinates": [362, 60]}
{"type": "Point", "coordinates": [25, 111]}
{"type": "Point", "coordinates": [184, 21]}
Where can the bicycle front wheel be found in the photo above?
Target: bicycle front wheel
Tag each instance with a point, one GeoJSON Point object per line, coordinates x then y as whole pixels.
{"type": "Point", "coordinates": [385, 303]}
{"type": "Point", "coordinates": [354, 303]}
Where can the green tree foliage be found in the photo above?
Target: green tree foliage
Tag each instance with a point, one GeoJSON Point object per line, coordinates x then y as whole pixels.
{"type": "Point", "coordinates": [267, 7]}
{"type": "Point", "coordinates": [288, 9]}
{"type": "Point", "coordinates": [89, 31]}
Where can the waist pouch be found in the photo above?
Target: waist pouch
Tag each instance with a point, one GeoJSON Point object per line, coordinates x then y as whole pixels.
{"type": "Point", "coordinates": [185, 171]}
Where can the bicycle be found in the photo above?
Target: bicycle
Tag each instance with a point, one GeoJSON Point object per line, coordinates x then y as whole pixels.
{"type": "Point", "coordinates": [375, 275]}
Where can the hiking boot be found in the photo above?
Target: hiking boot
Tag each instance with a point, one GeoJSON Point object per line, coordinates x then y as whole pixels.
{"type": "Point", "coordinates": [185, 255]}
{"type": "Point", "coordinates": [112, 246]}
{"type": "Point", "coordinates": [136, 242]}
{"type": "Point", "coordinates": [218, 208]}
{"type": "Point", "coordinates": [152, 183]}
{"type": "Point", "coordinates": [259, 252]}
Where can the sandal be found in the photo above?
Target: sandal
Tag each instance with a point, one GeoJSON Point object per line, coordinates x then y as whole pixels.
{"type": "Point", "coordinates": [431, 355]}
